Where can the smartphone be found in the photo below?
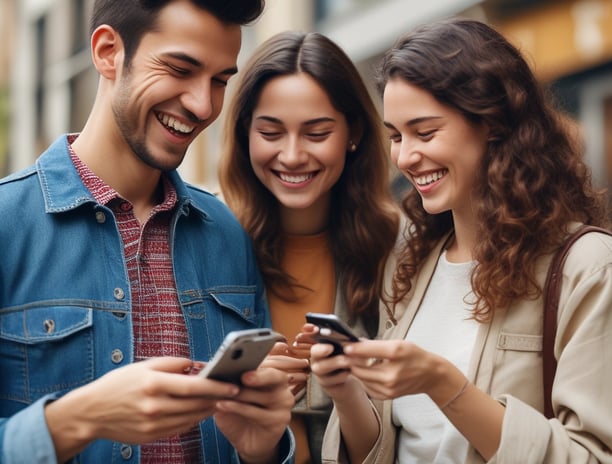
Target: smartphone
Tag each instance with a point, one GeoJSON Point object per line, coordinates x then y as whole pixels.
{"type": "Point", "coordinates": [241, 351]}
{"type": "Point", "coordinates": [332, 330]}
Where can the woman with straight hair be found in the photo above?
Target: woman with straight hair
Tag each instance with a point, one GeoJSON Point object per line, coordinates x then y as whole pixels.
{"type": "Point", "coordinates": [305, 169]}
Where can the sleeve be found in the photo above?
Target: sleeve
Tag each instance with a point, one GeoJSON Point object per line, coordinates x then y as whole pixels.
{"type": "Point", "coordinates": [333, 450]}
{"type": "Point", "coordinates": [581, 431]}
{"type": "Point", "coordinates": [25, 437]}
{"type": "Point", "coordinates": [286, 450]}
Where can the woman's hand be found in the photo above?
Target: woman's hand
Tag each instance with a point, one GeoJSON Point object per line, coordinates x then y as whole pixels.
{"type": "Point", "coordinates": [282, 358]}
{"type": "Point", "coordinates": [300, 348]}
{"type": "Point", "coordinates": [358, 423]}
{"type": "Point", "coordinates": [393, 368]}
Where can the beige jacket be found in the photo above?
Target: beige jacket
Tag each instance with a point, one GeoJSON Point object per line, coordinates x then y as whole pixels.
{"type": "Point", "coordinates": [506, 363]}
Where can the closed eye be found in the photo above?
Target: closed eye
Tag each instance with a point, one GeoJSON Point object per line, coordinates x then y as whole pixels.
{"type": "Point", "coordinates": [178, 70]}
{"type": "Point", "coordinates": [426, 135]}
{"type": "Point", "coordinates": [220, 82]}
{"type": "Point", "coordinates": [395, 137]}
{"type": "Point", "coordinates": [318, 135]}
{"type": "Point", "coordinates": [270, 135]}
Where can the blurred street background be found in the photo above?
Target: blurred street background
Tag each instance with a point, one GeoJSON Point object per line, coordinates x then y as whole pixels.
{"type": "Point", "coordinates": [47, 83]}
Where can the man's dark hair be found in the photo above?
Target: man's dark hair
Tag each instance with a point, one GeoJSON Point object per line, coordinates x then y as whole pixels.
{"type": "Point", "coordinates": [133, 18]}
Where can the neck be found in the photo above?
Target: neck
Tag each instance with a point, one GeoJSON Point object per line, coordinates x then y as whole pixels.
{"type": "Point", "coordinates": [461, 248]}
{"type": "Point", "coordinates": [306, 221]}
{"type": "Point", "coordinates": [109, 157]}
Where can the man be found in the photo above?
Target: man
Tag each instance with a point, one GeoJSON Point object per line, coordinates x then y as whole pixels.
{"type": "Point", "coordinates": [109, 258]}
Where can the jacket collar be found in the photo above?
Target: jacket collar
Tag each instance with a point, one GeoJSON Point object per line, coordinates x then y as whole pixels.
{"type": "Point", "coordinates": [63, 189]}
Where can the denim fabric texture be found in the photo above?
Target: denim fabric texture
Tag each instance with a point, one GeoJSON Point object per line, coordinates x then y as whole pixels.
{"type": "Point", "coordinates": [65, 309]}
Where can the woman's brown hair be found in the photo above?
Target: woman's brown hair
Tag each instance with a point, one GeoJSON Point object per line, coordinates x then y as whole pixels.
{"type": "Point", "coordinates": [533, 180]}
{"type": "Point", "coordinates": [363, 222]}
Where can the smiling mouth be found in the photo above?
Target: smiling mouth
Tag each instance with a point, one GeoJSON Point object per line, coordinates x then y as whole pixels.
{"type": "Point", "coordinates": [295, 178]}
{"type": "Point", "coordinates": [174, 124]}
{"type": "Point", "coordinates": [430, 178]}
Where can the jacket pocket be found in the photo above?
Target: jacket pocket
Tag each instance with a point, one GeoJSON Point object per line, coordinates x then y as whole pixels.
{"type": "Point", "coordinates": [44, 350]}
{"type": "Point", "coordinates": [212, 314]}
{"type": "Point", "coordinates": [227, 302]}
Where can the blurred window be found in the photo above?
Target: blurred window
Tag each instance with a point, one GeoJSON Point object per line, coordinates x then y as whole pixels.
{"type": "Point", "coordinates": [40, 65]}
{"type": "Point", "coordinates": [80, 37]}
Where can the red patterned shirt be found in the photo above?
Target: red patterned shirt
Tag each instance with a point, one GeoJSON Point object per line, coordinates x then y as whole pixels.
{"type": "Point", "coordinates": [158, 322]}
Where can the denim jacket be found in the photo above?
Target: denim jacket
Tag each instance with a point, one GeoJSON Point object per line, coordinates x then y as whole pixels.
{"type": "Point", "coordinates": [65, 308]}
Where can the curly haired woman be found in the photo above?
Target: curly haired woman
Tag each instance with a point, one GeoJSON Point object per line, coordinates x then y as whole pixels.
{"type": "Point", "coordinates": [498, 182]}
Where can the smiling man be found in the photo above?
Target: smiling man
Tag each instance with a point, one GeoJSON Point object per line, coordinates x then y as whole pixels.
{"type": "Point", "coordinates": [118, 274]}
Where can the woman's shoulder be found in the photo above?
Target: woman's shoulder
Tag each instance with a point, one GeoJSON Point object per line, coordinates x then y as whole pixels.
{"type": "Point", "coordinates": [592, 247]}
{"type": "Point", "coordinates": [590, 257]}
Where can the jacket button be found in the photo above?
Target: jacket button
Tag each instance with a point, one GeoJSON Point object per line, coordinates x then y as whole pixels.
{"type": "Point", "coordinates": [126, 451]}
{"type": "Point", "coordinates": [388, 324]}
{"type": "Point", "coordinates": [119, 293]}
{"type": "Point", "coordinates": [100, 217]}
{"type": "Point", "coordinates": [49, 325]}
{"type": "Point", "coordinates": [117, 356]}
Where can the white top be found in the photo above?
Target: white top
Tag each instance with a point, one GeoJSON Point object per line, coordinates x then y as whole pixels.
{"type": "Point", "coordinates": [442, 326]}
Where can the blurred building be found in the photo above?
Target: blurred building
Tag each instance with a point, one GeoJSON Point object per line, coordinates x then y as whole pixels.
{"type": "Point", "coordinates": [52, 83]}
{"type": "Point", "coordinates": [7, 32]}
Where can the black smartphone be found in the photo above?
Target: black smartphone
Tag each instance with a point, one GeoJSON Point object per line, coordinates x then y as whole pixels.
{"type": "Point", "coordinates": [241, 351]}
{"type": "Point", "coordinates": [332, 330]}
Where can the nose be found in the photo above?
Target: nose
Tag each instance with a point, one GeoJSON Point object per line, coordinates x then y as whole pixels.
{"type": "Point", "coordinates": [408, 155]}
{"type": "Point", "coordinates": [198, 101]}
{"type": "Point", "coordinates": [292, 153]}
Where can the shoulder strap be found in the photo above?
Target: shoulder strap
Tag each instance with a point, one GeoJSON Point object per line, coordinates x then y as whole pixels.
{"type": "Point", "coordinates": [552, 291]}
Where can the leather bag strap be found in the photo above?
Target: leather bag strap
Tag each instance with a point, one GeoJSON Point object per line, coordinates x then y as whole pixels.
{"type": "Point", "coordinates": [552, 292]}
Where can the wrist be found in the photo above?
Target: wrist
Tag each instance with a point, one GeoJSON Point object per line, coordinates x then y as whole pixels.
{"type": "Point", "coordinates": [270, 457]}
{"type": "Point", "coordinates": [69, 431]}
{"type": "Point", "coordinates": [448, 385]}
{"type": "Point", "coordinates": [351, 391]}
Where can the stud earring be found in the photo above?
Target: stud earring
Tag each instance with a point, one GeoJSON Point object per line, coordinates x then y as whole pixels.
{"type": "Point", "coordinates": [352, 146]}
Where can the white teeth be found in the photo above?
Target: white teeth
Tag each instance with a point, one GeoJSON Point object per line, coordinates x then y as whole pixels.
{"type": "Point", "coordinates": [296, 179]}
{"type": "Point", "coordinates": [430, 178]}
{"type": "Point", "coordinates": [175, 124]}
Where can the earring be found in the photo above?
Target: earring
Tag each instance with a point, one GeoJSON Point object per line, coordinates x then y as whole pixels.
{"type": "Point", "coordinates": [352, 146]}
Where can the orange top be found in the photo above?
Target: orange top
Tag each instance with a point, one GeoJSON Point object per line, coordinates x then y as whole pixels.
{"type": "Point", "coordinates": [309, 260]}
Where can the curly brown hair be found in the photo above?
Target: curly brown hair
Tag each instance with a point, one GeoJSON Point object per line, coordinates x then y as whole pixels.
{"type": "Point", "coordinates": [532, 181]}
{"type": "Point", "coordinates": [364, 217]}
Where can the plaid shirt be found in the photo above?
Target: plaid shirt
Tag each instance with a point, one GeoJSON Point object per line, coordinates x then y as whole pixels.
{"type": "Point", "coordinates": [158, 322]}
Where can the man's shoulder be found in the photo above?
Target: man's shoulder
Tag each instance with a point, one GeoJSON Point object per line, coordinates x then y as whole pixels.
{"type": "Point", "coordinates": [18, 176]}
{"type": "Point", "coordinates": [18, 186]}
{"type": "Point", "coordinates": [55, 150]}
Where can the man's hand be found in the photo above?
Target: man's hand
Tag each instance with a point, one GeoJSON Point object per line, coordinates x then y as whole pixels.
{"type": "Point", "coordinates": [138, 403]}
{"type": "Point", "coordinates": [255, 420]}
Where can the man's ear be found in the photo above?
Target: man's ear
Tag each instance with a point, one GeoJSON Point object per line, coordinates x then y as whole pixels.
{"type": "Point", "coordinates": [107, 51]}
